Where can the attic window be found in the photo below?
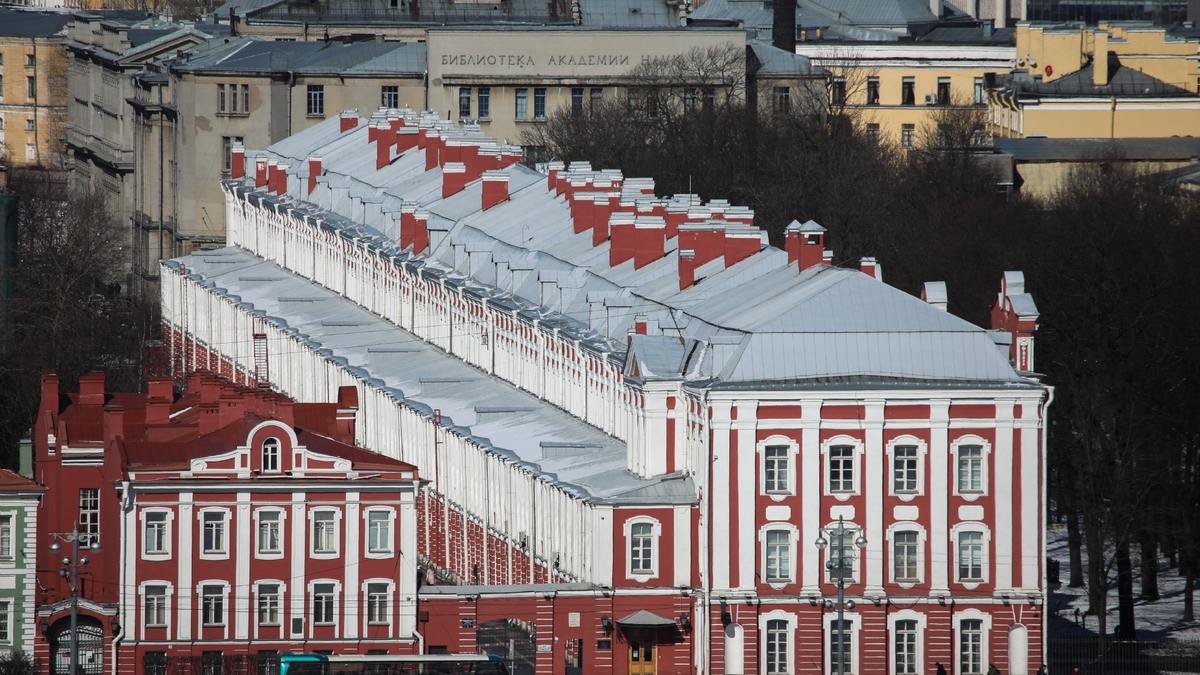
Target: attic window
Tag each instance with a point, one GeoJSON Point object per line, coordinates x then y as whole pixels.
{"type": "Point", "coordinates": [635, 10]}
{"type": "Point", "coordinates": [270, 455]}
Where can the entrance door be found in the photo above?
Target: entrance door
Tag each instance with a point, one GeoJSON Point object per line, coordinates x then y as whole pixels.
{"type": "Point", "coordinates": [642, 650]}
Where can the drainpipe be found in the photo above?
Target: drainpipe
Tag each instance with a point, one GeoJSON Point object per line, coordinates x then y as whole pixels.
{"type": "Point", "coordinates": [125, 506]}
{"type": "Point", "coordinates": [426, 87]}
{"type": "Point", "coordinates": [161, 177]}
{"type": "Point", "coordinates": [291, 85]}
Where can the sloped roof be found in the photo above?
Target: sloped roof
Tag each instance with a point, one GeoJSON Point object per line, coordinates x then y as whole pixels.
{"type": "Point", "coordinates": [1106, 149]}
{"type": "Point", "coordinates": [250, 54]}
{"type": "Point", "coordinates": [31, 24]}
{"type": "Point", "coordinates": [1122, 81]}
{"type": "Point", "coordinates": [12, 482]}
{"type": "Point", "coordinates": [595, 13]}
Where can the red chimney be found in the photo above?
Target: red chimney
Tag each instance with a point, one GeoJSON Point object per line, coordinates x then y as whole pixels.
{"type": "Point", "coordinates": [114, 423]}
{"type": "Point", "coordinates": [869, 267]}
{"type": "Point", "coordinates": [510, 155]}
{"type": "Point", "coordinates": [421, 232]}
{"type": "Point", "coordinates": [741, 242]}
{"type": "Point", "coordinates": [687, 268]}
{"type": "Point", "coordinates": [160, 394]}
{"type": "Point", "coordinates": [649, 239]}
{"type": "Point", "coordinates": [237, 161]}
{"type": "Point", "coordinates": [406, 139]}
{"type": "Point", "coordinates": [314, 170]}
{"type": "Point", "coordinates": [1017, 314]}
{"type": "Point", "coordinates": [639, 324]}
{"type": "Point", "coordinates": [603, 206]}
{"type": "Point", "coordinates": [408, 224]}
{"type": "Point", "coordinates": [349, 120]}
{"type": "Point", "coordinates": [433, 149]}
{"type": "Point", "coordinates": [495, 188]}
{"type": "Point", "coordinates": [91, 389]}
{"type": "Point", "coordinates": [454, 178]}
{"type": "Point", "coordinates": [706, 239]}
{"type": "Point", "coordinates": [49, 390]}
{"type": "Point", "coordinates": [621, 238]}
{"type": "Point", "coordinates": [552, 171]}
{"type": "Point", "coordinates": [469, 156]}
{"type": "Point", "coordinates": [260, 171]}
{"type": "Point", "coordinates": [383, 146]}
{"type": "Point", "coordinates": [805, 244]}
{"type": "Point", "coordinates": [583, 206]}
{"type": "Point", "coordinates": [676, 215]}
{"type": "Point", "coordinates": [272, 176]}
{"type": "Point", "coordinates": [422, 137]}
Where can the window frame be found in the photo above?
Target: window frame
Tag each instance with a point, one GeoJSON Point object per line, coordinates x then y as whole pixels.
{"type": "Point", "coordinates": [921, 452]}
{"type": "Point", "coordinates": [227, 143]}
{"type": "Point", "coordinates": [944, 91]}
{"type": "Point", "coordinates": [922, 540]}
{"type": "Point", "coordinates": [371, 592]}
{"type": "Point", "coordinates": [8, 548]}
{"type": "Point", "coordinates": [873, 90]}
{"type": "Point", "coordinates": [222, 106]}
{"type": "Point", "coordinates": [853, 530]}
{"type": "Point", "coordinates": [852, 636]}
{"type": "Point", "coordinates": [168, 516]}
{"type": "Point", "coordinates": [521, 103]}
{"type": "Point", "coordinates": [483, 103]}
{"type": "Point", "coordinates": [655, 537]}
{"type": "Point", "coordinates": [781, 100]}
{"type": "Point", "coordinates": [89, 514]}
{"type": "Point", "coordinates": [269, 554]}
{"type": "Point", "coordinates": [335, 534]}
{"type": "Point", "coordinates": [315, 100]}
{"type": "Point", "coordinates": [164, 608]}
{"type": "Point", "coordinates": [791, 450]}
{"type": "Point", "coordinates": [595, 101]}
{"type": "Point", "coordinates": [908, 90]}
{"type": "Point", "coordinates": [857, 449]}
{"type": "Point", "coordinates": [837, 90]}
{"type": "Point", "coordinates": [792, 537]}
{"type": "Point", "coordinates": [539, 101]}
{"type": "Point", "coordinates": [31, 89]}
{"type": "Point", "coordinates": [908, 136]}
{"type": "Point", "coordinates": [389, 96]}
{"type": "Point", "coordinates": [985, 625]}
{"type": "Point", "coordinates": [985, 455]}
{"type": "Point", "coordinates": [920, 624]}
{"type": "Point", "coordinates": [333, 604]}
{"type": "Point", "coordinates": [389, 525]}
{"type": "Point", "coordinates": [577, 99]}
{"type": "Point", "coordinates": [154, 663]}
{"type": "Point", "coordinates": [259, 595]}
{"type": "Point", "coordinates": [202, 591]}
{"type": "Point", "coordinates": [6, 621]}
{"type": "Point", "coordinates": [985, 558]}
{"type": "Point", "coordinates": [764, 624]}
{"type": "Point", "coordinates": [464, 103]}
{"type": "Point", "coordinates": [271, 443]}
{"type": "Point", "coordinates": [205, 552]}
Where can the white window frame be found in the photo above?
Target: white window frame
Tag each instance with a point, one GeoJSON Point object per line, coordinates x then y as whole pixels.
{"type": "Point", "coordinates": [793, 537]}
{"type": "Point", "coordinates": [986, 623]}
{"type": "Point", "coordinates": [223, 554]}
{"type": "Point", "coordinates": [8, 521]}
{"type": "Point", "coordinates": [390, 594]}
{"type": "Point", "coordinates": [986, 553]}
{"type": "Point", "coordinates": [312, 533]}
{"type": "Point", "coordinates": [856, 467]}
{"type": "Point", "coordinates": [168, 593]}
{"type": "Point", "coordinates": [337, 602]}
{"type": "Point", "coordinates": [270, 443]}
{"type": "Point", "coordinates": [922, 454]}
{"type": "Point", "coordinates": [390, 515]}
{"type": "Point", "coordinates": [655, 548]}
{"type": "Point", "coordinates": [791, 455]}
{"type": "Point", "coordinates": [790, 650]}
{"type": "Point", "coordinates": [269, 555]}
{"type": "Point", "coordinates": [164, 554]}
{"type": "Point", "coordinates": [6, 619]}
{"type": "Point", "coordinates": [856, 568]}
{"type": "Point", "coordinates": [853, 637]}
{"type": "Point", "coordinates": [922, 542]}
{"type": "Point", "coordinates": [907, 615]}
{"type": "Point", "coordinates": [280, 609]}
{"type": "Point", "coordinates": [985, 461]}
{"type": "Point", "coordinates": [224, 586]}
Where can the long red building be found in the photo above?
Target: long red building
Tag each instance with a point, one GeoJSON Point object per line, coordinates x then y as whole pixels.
{"type": "Point", "coordinates": [636, 418]}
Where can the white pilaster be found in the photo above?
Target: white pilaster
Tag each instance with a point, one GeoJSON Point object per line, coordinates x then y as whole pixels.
{"type": "Point", "coordinates": [810, 495]}
{"type": "Point", "coordinates": [939, 496]}
{"type": "Point", "coordinates": [875, 461]}
{"type": "Point", "coordinates": [721, 494]}
{"type": "Point", "coordinates": [1002, 470]}
{"type": "Point", "coordinates": [186, 560]}
{"type": "Point", "coordinates": [1032, 506]}
{"type": "Point", "coordinates": [242, 539]}
{"type": "Point", "coordinates": [745, 425]}
{"type": "Point", "coordinates": [352, 554]}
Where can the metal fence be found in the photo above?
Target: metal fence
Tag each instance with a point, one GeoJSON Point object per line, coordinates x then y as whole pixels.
{"type": "Point", "coordinates": [1112, 657]}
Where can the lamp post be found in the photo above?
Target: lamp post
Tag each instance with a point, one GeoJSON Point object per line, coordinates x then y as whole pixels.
{"type": "Point", "coordinates": [70, 572]}
{"type": "Point", "coordinates": [840, 566]}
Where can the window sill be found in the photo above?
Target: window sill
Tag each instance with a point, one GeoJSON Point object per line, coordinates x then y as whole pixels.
{"type": "Point", "coordinates": [971, 496]}
{"type": "Point", "coordinates": [642, 578]}
{"type": "Point", "coordinates": [233, 114]}
{"type": "Point", "coordinates": [323, 556]}
{"type": "Point", "coordinates": [312, 116]}
{"type": "Point", "coordinates": [777, 496]}
{"type": "Point", "coordinates": [268, 555]}
{"type": "Point", "coordinates": [380, 555]}
{"type": "Point", "coordinates": [156, 556]}
{"type": "Point", "coordinates": [222, 555]}
{"type": "Point", "coordinates": [906, 496]}
{"type": "Point", "coordinates": [531, 120]}
{"type": "Point", "coordinates": [972, 584]}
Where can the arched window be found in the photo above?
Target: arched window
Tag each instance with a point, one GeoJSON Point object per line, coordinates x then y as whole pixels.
{"type": "Point", "coordinates": [270, 455]}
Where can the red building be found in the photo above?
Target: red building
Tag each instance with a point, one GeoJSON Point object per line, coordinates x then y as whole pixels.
{"type": "Point", "coordinates": [234, 524]}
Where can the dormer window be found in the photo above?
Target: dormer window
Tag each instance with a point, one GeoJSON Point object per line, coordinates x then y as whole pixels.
{"type": "Point", "coordinates": [270, 455]}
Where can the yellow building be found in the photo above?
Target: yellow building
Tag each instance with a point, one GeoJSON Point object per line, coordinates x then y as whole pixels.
{"type": "Point", "coordinates": [33, 86]}
{"type": "Point", "coordinates": [895, 89]}
{"type": "Point", "coordinates": [1109, 81]}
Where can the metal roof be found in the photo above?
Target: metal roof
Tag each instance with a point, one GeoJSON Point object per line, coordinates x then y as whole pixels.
{"type": "Point", "coordinates": [31, 24]}
{"type": "Point", "coordinates": [1100, 149]}
{"type": "Point", "coordinates": [251, 54]}
{"type": "Point", "coordinates": [599, 13]}
{"type": "Point", "coordinates": [1122, 81]}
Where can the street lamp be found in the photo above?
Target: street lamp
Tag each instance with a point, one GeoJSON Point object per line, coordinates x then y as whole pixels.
{"type": "Point", "coordinates": [70, 572]}
{"type": "Point", "coordinates": [840, 566]}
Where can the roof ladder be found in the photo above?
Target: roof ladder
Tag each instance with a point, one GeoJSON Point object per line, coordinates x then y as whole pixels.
{"type": "Point", "coordinates": [262, 373]}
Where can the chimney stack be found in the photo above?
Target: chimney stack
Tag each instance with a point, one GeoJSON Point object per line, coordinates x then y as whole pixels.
{"type": "Point", "coordinates": [805, 244]}
{"type": "Point", "coordinates": [495, 188]}
{"type": "Point", "coordinates": [314, 170]}
{"type": "Point", "coordinates": [260, 172]}
{"type": "Point", "coordinates": [91, 389]}
{"type": "Point", "coordinates": [237, 161]}
{"type": "Point", "coordinates": [454, 178]}
{"type": "Point", "coordinates": [433, 149]}
{"type": "Point", "coordinates": [408, 224]}
{"type": "Point", "coordinates": [741, 242]}
{"type": "Point", "coordinates": [383, 144]}
{"type": "Point", "coordinates": [349, 120]}
{"type": "Point", "coordinates": [50, 390]}
{"type": "Point", "coordinates": [621, 238]}
{"type": "Point", "coordinates": [604, 204]}
{"type": "Point", "coordinates": [869, 267]}
{"type": "Point", "coordinates": [1015, 313]}
{"type": "Point", "coordinates": [420, 232]}
{"type": "Point", "coordinates": [1100, 57]}
{"type": "Point", "coordinates": [649, 240]}
{"type": "Point", "coordinates": [706, 239]}
{"type": "Point", "coordinates": [687, 268]}
{"type": "Point", "coordinates": [552, 171]}
{"type": "Point", "coordinates": [783, 26]}
{"type": "Point", "coordinates": [934, 292]}
{"type": "Point", "coordinates": [406, 139]}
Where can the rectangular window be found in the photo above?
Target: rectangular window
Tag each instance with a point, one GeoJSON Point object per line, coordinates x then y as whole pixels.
{"type": "Point", "coordinates": [841, 468]}
{"type": "Point", "coordinates": [154, 663]}
{"type": "Point", "coordinates": [839, 647]}
{"type": "Point", "coordinates": [156, 533]}
{"type": "Point", "coordinates": [872, 91]}
{"type": "Point", "coordinates": [30, 61]}
{"type": "Point", "coordinates": [268, 604]}
{"type": "Point", "coordinates": [906, 647]}
{"type": "Point", "coordinates": [904, 556]}
{"type": "Point", "coordinates": [377, 604]}
{"type": "Point", "coordinates": [777, 660]}
{"type": "Point", "coordinates": [212, 663]}
{"type": "Point", "coordinates": [641, 543]}
{"type": "Point", "coordinates": [873, 133]}
{"type": "Point", "coordinates": [5, 622]}
{"type": "Point", "coordinates": [245, 98]}
{"type": "Point", "coordinates": [6, 535]}
{"type": "Point", "coordinates": [841, 550]}
{"type": "Point", "coordinates": [908, 91]}
{"type": "Point", "coordinates": [539, 103]}
{"type": "Point", "coordinates": [214, 532]}
{"type": "Point", "coordinates": [970, 647]}
{"type": "Point", "coordinates": [970, 556]}
{"type": "Point", "coordinates": [227, 143]}
{"type": "Point", "coordinates": [89, 513]}
{"type": "Point", "coordinates": [378, 532]}
{"type": "Point", "coordinates": [221, 98]}
{"type": "Point", "coordinates": [781, 101]}
{"type": "Point", "coordinates": [775, 469]}
{"type": "Point", "coordinates": [269, 531]}
{"type": "Point", "coordinates": [464, 102]}
{"type": "Point", "coordinates": [156, 606]}
{"type": "Point", "coordinates": [597, 101]}
{"type": "Point", "coordinates": [522, 110]}
{"type": "Point", "coordinates": [31, 87]}
{"type": "Point", "coordinates": [970, 468]}
{"type": "Point", "coordinates": [904, 469]}
{"type": "Point", "coordinates": [980, 92]}
{"type": "Point", "coordinates": [268, 662]}
{"type": "Point", "coordinates": [485, 102]}
{"type": "Point", "coordinates": [324, 532]}
{"type": "Point", "coordinates": [323, 604]}
{"type": "Point", "coordinates": [577, 101]}
{"type": "Point", "coordinates": [710, 97]}
{"type": "Point", "coordinates": [779, 555]}
{"type": "Point", "coordinates": [212, 605]}
{"type": "Point", "coordinates": [908, 135]}
{"type": "Point", "coordinates": [689, 99]}
{"type": "Point", "coordinates": [316, 100]}
{"type": "Point", "coordinates": [837, 91]}
{"type": "Point", "coordinates": [389, 96]}
{"type": "Point", "coordinates": [30, 125]}
{"type": "Point", "coordinates": [943, 91]}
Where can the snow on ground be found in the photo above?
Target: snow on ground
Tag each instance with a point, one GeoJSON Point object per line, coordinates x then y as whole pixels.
{"type": "Point", "coordinates": [1160, 619]}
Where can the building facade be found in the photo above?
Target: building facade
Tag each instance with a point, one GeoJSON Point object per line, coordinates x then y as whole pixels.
{"type": "Point", "coordinates": [33, 96]}
{"type": "Point", "coordinates": [641, 420]}
{"type": "Point", "coordinates": [234, 524]}
{"type": "Point", "coordinates": [19, 501]}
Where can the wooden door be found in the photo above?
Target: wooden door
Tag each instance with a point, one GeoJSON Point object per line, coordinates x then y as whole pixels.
{"type": "Point", "coordinates": [643, 651]}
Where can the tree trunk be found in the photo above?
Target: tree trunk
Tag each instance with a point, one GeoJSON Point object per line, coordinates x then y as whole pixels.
{"type": "Point", "coordinates": [1074, 549]}
{"type": "Point", "coordinates": [1125, 626]}
{"type": "Point", "coordinates": [1189, 585]}
{"type": "Point", "coordinates": [1097, 579]}
{"type": "Point", "coordinates": [1149, 566]}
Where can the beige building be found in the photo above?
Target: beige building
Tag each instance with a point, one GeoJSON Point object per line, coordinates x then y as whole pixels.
{"type": "Point", "coordinates": [894, 88]}
{"type": "Point", "coordinates": [33, 92]}
{"type": "Point", "coordinates": [1110, 81]}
